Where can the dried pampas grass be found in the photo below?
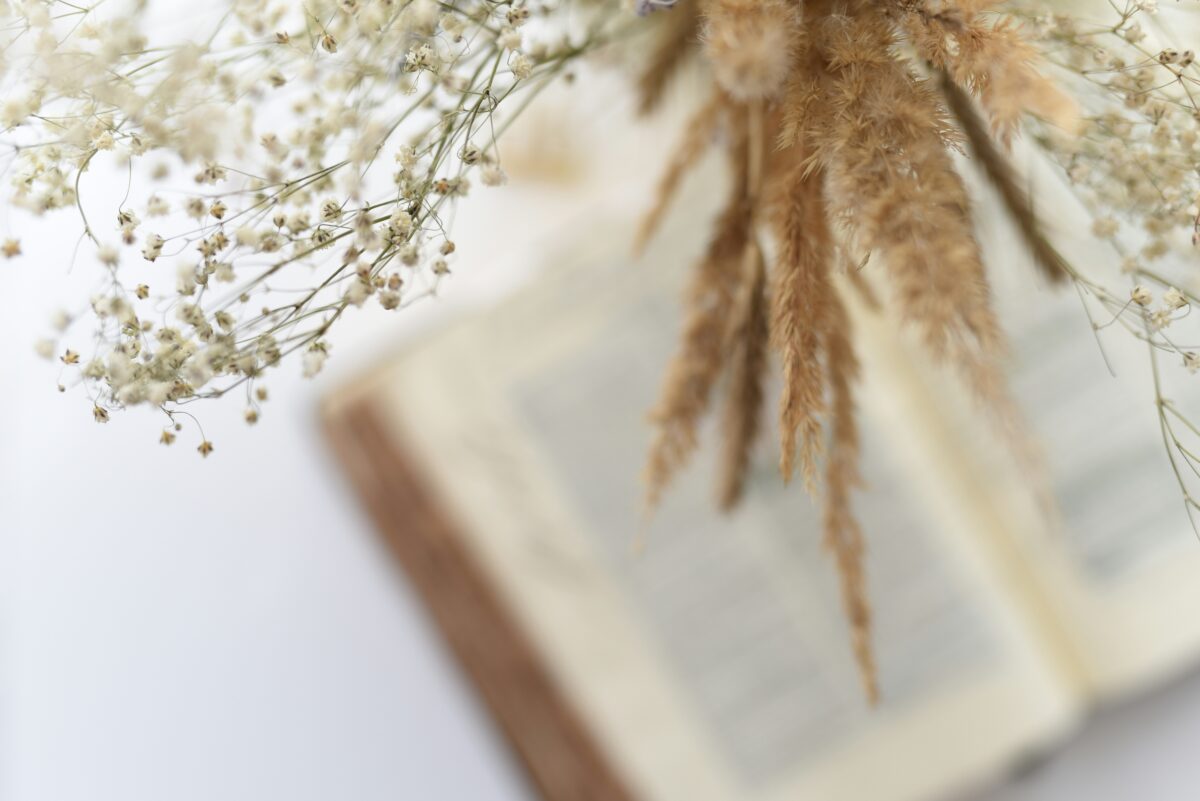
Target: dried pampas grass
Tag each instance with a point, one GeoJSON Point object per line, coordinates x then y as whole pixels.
{"type": "Point", "coordinates": [747, 349]}
{"type": "Point", "coordinates": [840, 119]}
{"type": "Point", "coordinates": [749, 44]}
{"type": "Point", "coordinates": [701, 357]}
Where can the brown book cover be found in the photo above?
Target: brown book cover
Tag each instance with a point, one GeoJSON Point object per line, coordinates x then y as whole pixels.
{"type": "Point", "coordinates": [559, 754]}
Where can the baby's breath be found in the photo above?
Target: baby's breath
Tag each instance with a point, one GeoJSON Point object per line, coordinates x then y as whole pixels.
{"type": "Point", "coordinates": [287, 164]}
{"type": "Point", "coordinates": [1134, 166]}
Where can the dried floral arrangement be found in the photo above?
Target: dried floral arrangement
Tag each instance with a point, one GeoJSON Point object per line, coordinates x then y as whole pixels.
{"type": "Point", "coordinates": [330, 140]}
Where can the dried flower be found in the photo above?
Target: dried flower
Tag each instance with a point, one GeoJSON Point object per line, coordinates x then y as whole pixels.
{"type": "Point", "coordinates": [861, 163]}
{"type": "Point", "coordinates": [283, 192]}
{"type": "Point", "coordinates": [839, 119]}
{"type": "Point", "coordinates": [750, 45]}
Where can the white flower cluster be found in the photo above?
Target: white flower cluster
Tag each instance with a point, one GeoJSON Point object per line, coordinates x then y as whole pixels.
{"type": "Point", "coordinates": [1134, 161]}
{"type": "Point", "coordinates": [1134, 166]}
{"type": "Point", "coordinates": [318, 144]}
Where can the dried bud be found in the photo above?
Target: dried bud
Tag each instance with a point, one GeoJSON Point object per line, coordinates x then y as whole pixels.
{"type": "Point", "coordinates": [1174, 299]}
{"type": "Point", "coordinates": [749, 43]}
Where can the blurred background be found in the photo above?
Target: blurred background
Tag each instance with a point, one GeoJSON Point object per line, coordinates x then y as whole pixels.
{"type": "Point", "coordinates": [229, 628]}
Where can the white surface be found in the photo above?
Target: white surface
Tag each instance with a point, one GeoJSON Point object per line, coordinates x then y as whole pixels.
{"type": "Point", "coordinates": [227, 628]}
{"type": "Point", "coordinates": [178, 628]}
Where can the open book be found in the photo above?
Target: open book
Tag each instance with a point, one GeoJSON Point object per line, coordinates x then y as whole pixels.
{"type": "Point", "coordinates": [501, 459]}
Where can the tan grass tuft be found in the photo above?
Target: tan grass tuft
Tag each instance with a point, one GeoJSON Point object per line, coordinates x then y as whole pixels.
{"type": "Point", "coordinates": [749, 43]}
{"type": "Point", "coordinates": [862, 165]}
{"type": "Point", "coordinates": [747, 348]}
{"type": "Point", "coordinates": [991, 60]}
{"type": "Point", "coordinates": [799, 297]}
{"type": "Point", "coordinates": [697, 137]}
{"type": "Point", "coordinates": [892, 179]}
{"type": "Point", "coordinates": [843, 536]}
{"type": "Point", "coordinates": [697, 365]}
{"type": "Point", "coordinates": [677, 40]}
{"type": "Point", "coordinates": [998, 171]}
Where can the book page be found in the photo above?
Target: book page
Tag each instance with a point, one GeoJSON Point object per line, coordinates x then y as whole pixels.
{"type": "Point", "coordinates": [1121, 567]}
{"type": "Point", "coordinates": [715, 664]}
{"type": "Point", "coordinates": [1124, 566]}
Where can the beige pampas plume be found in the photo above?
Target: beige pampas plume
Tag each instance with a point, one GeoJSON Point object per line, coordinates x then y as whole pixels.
{"type": "Point", "coordinates": [746, 345]}
{"type": "Point", "coordinates": [697, 365]}
{"type": "Point", "coordinates": [862, 165]}
{"type": "Point", "coordinates": [892, 179]}
{"type": "Point", "coordinates": [842, 534]}
{"type": "Point", "coordinates": [990, 59]}
{"type": "Point", "coordinates": [749, 44]}
{"type": "Point", "coordinates": [1003, 179]}
{"type": "Point", "coordinates": [676, 41]}
{"type": "Point", "coordinates": [698, 134]}
{"type": "Point", "coordinates": [800, 298]}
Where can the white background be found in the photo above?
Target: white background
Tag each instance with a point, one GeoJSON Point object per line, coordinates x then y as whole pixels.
{"type": "Point", "coordinates": [178, 628]}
